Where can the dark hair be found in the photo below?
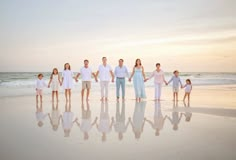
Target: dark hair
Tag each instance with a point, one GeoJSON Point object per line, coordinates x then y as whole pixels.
{"type": "Point", "coordinates": [121, 60]}
{"type": "Point", "coordinates": [65, 66]}
{"type": "Point", "coordinates": [175, 71]}
{"type": "Point", "coordinates": [104, 57]}
{"type": "Point", "coordinates": [158, 64]}
{"type": "Point", "coordinates": [136, 62]}
{"type": "Point", "coordinates": [86, 60]}
{"type": "Point", "coordinates": [188, 80]}
{"type": "Point", "coordinates": [40, 74]}
{"type": "Point", "coordinates": [53, 72]}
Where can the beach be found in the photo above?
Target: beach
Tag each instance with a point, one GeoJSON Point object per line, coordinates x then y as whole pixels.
{"type": "Point", "coordinates": [206, 127]}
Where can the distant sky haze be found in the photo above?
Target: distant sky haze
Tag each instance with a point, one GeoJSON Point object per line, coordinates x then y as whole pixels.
{"type": "Point", "coordinates": [188, 35]}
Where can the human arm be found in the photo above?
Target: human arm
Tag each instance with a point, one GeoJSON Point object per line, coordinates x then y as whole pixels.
{"type": "Point", "coordinates": [95, 76]}
{"type": "Point", "coordinates": [163, 77]}
{"type": "Point", "coordinates": [170, 80]}
{"type": "Point", "coordinates": [150, 122]}
{"type": "Point", "coordinates": [76, 77]}
{"type": "Point", "coordinates": [62, 79]}
{"type": "Point", "coordinates": [144, 76]}
{"type": "Point", "coordinates": [112, 122]}
{"type": "Point", "coordinates": [112, 75]}
{"type": "Point", "coordinates": [150, 77]}
{"type": "Point", "coordinates": [180, 82]}
{"type": "Point", "coordinates": [95, 121]}
{"type": "Point", "coordinates": [59, 79]}
{"type": "Point", "coordinates": [132, 74]}
{"type": "Point", "coordinates": [50, 81]}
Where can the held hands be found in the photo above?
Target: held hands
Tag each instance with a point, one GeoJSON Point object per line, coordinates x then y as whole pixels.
{"type": "Point", "coordinates": [112, 80]}
{"type": "Point", "coordinates": [129, 79]}
{"type": "Point", "coordinates": [49, 86]}
{"type": "Point", "coordinates": [145, 80]}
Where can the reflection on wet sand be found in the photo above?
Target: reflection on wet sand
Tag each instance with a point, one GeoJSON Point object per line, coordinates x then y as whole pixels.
{"type": "Point", "coordinates": [40, 116]}
{"type": "Point", "coordinates": [176, 117]}
{"type": "Point", "coordinates": [138, 119]}
{"type": "Point", "coordinates": [158, 120]}
{"type": "Point", "coordinates": [119, 125]}
{"type": "Point", "coordinates": [104, 123]}
{"type": "Point", "coordinates": [54, 117]}
{"type": "Point", "coordinates": [67, 120]}
{"type": "Point", "coordinates": [86, 123]}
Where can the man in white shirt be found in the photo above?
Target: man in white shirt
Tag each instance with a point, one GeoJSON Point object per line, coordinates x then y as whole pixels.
{"type": "Point", "coordinates": [86, 73]}
{"type": "Point", "coordinates": [120, 73]}
{"type": "Point", "coordinates": [104, 71]}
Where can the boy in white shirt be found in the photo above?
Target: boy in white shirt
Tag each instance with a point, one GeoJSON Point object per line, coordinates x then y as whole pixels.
{"type": "Point", "coordinates": [86, 73]}
{"type": "Point", "coordinates": [104, 71]}
{"type": "Point", "coordinates": [40, 84]}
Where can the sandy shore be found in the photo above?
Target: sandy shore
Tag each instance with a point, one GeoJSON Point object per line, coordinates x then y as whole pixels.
{"type": "Point", "coordinates": [205, 130]}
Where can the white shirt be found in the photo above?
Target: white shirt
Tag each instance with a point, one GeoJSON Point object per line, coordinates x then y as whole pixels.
{"type": "Point", "coordinates": [40, 84]}
{"type": "Point", "coordinates": [121, 72]}
{"type": "Point", "coordinates": [86, 73]}
{"type": "Point", "coordinates": [158, 77]}
{"type": "Point", "coordinates": [104, 72]}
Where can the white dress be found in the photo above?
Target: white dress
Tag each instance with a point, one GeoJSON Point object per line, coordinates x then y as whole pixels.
{"type": "Point", "coordinates": [188, 88]}
{"type": "Point", "coordinates": [67, 120]}
{"type": "Point", "coordinates": [68, 79]}
{"type": "Point", "coordinates": [55, 82]}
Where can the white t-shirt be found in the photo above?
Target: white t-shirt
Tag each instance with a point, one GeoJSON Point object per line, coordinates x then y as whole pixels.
{"type": "Point", "coordinates": [40, 84]}
{"type": "Point", "coordinates": [104, 72]}
{"type": "Point", "coordinates": [158, 77]}
{"type": "Point", "coordinates": [86, 73]}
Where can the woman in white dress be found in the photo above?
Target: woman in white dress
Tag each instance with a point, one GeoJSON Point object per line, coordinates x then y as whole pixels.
{"type": "Point", "coordinates": [54, 82]}
{"type": "Point", "coordinates": [67, 80]}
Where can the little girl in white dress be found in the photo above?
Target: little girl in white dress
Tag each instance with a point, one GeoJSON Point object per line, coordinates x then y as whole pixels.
{"type": "Point", "coordinates": [55, 83]}
{"type": "Point", "coordinates": [67, 80]}
{"type": "Point", "coordinates": [188, 89]}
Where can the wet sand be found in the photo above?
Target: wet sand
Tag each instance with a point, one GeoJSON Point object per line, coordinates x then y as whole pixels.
{"type": "Point", "coordinates": [203, 129]}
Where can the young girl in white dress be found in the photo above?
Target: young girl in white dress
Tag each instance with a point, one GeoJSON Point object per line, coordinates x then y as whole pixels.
{"type": "Point", "coordinates": [188, 89]}
{"type": "Point", "coordinates": [67, 80]}
{"type": "Point", "coordinates": [54, 82]}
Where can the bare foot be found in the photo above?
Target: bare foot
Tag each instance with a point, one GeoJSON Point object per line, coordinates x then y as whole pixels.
{"type": "Point", "coordinates": [106, 99]}
{"type": "Point", "coordinates": [101, 99]}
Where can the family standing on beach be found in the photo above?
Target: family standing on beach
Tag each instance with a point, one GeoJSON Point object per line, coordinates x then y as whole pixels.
{"type": "Point", "coordinates": [105, 75]}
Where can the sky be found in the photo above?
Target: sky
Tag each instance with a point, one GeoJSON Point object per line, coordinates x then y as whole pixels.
{"type": "Point", "coordinates": [188, 35]}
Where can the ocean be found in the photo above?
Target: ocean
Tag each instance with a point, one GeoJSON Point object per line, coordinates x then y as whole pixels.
{"type": "Point", "coordinates": [22, 83]}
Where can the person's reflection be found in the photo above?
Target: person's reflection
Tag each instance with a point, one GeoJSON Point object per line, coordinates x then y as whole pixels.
{"type": "Point", "coordinates": [54, 117]}
{"type": "Point", "coordinates": [159, 120]}
{"type": "Point", "coordinates": [104, 125]}
{"type": "Point", "coordinates": [40, 116]}
{"type": "Point", "coordinates": [138, 119]}
{"type": "Point", "coordinates": [86, 121]}
{"type": "Point", "coordinates": [67, 120]}
{"type": "Point", "coordinates": [175, 117]}
{"type": "Point", "coordinates": [188, 113]}
{"type": "Point", "coordinates": [119, 125]}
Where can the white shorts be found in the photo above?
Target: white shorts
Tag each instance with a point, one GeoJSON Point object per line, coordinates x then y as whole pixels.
{"type": "Point", "coordinates": [39, 92]}
{"type": "Point", "coordinates": [175, 89]}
